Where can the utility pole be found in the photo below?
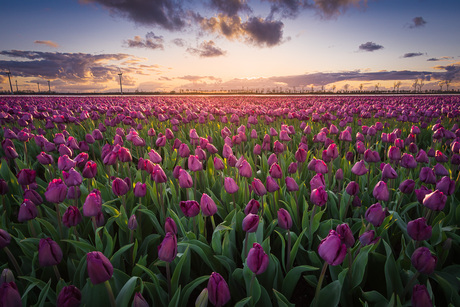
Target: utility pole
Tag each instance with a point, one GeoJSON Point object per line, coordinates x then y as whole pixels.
{"type": "Point", "coordinates": [49, 87]}
{"type": "Point", "coordinates": [38, 85]}
{"type": "Point", "coordinates": [17, 90]}
{"type": "Point", "coordinates": [9, 78]}
{"type": "Point", "coordinates": [121, 88]}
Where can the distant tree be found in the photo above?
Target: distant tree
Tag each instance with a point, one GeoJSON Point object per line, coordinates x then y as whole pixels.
{"type": "Point", "coordinates": [447, 82]}
{"type": "Point", "coordinates": [415, 84]}
{"type": "Point", "coordinates": [334, 87]}
{"type": "Point", "coordinates": [322, 88]}
{"type": "Point", "coordinates": [421, 83]}
{"type": "Point", "coordinates": [361, 87]}
{"type": "Point", "coordinates": [440, 84]}
{"type": "Point", "coordinates": [377, 87]}
{"type": "Point", "coordinates": [345, 87]}
{"type": "Point", "coordinates": [396, 85]}
{"type": "Point", "coordinates": [312, 88]}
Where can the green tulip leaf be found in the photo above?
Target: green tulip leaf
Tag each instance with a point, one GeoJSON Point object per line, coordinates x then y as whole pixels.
{"type": "Point", "coordinates": [292, 277]}
{"type": "Point", "coordinates": [282, 300]}
{"type": "Point", "coordinates": [127, 292]}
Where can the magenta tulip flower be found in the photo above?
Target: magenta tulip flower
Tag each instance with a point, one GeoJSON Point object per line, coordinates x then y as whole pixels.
{"type": "Point", "coordinates": [99, 267]}
{"type": "Point", "coordinates": [257, 259]}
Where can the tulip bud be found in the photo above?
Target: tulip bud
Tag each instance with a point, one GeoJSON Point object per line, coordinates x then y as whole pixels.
{"type": "Point", "coordinates": [70, 296]}
{"type": "Point", "coordinates": [319, 196]}
{"type": "Point", "coordinates": [275, 171]}
{"type": "Point", "coordinates": [250, 223]}
{"type": "Point", "coordinates": [99, 267]}
{"type": "Point", "coordinates": [339, 174]}
{"type": "Point", "coordinates": [257, 259]}
{"type": "Point", "coordinates": [139, 300]}
{"type": "Point", "coordinates": [375, 214]}
{"type": "Point", "coordinates": [93, 204]}
{"type": "Point", "coordinates": [245, 169]}
{"type": "Point", "coordinates": [49, 252]}
{"type": "Point", "coordinates": [381, 192]}
{"type": "Point", "coordinates": [167, 250]}
{"type": "Point", "coordinates": [427, 175]}
{"type": "Point", "coordinates": [140, 189]}
{"type": "Point", "coordinates": [56, 191]}
{"type": "Point", "coordinates": [407, 186]}
{"type": "Point", "coordinates": [45, 159]}
{"type": "Point", "coordinates": [71, 217]}
{"type": "Point", "coordinates": [418, 229]}
{"type": "Point", "coordinates": [72, 178]}
{"type": "Point", "coordinates": [368, 238]}
{"type": "Point", "coordinates": [170, 225]}
{"type": "Point", "coordinates": [272, 159]}
{"type": "Point", "coordinates": [317, 181]}
{"type": "Point", "coordinates": [5, 238]}
{"type": "Point", "coordinates": [27, 211]}
{"type": "Point", "coordinates": [33, 196]}
{"type": "Point", "coordinates": [284, 219]}
{"type": "Point", "coordinates": [258, 187]}
{"type": "Point", "coordinates": [194, 164]}
{"type": "Point", "coordinates": [446, 185]}
{"type": "Point", "coordinates": [9, 295]}
{"type": "Point", "coordinates": [435, 200]}
{"type": "Point", "coordinates": [291, 184]}
{"type": "Point", "coordinates": [208, 206]}
{"type": "Point", "coordinates": [3, 187]}
{"type": "Point", "coordinates": [7, 276]}
{"type": "Point", "coordinates": [230, 185]}
{"type": "Point", "coordinates": [359, 168]}
{"type": "Point", "coordinates": [352, 188]}
{"type": "Point", "coordinates": [218, 163]}
{"type": "Point", "coordinates": [190, 208]}
{"type": "Point", "coordinates": [292, 168]}
{"type": "Point", "coordinates": [89, 170]}
{"type": "Point", "coordinates": [332, 250]}
{"type": "Point", "coordinates": [26, 177]}
{"type": "Point", "coordinates": [185, 180]}
{"type": "Point", "coordinates": [132, 222]}
{"type": "Point", "coordinates": [202, 299]}
{"type": "Point", "coordinates": [420, 297]}
{"type": "Point", "coordinates": [345, 235]}
{"type": "Point", "coordinates": [253, 207]}
{"type": "Point", "coordinates": [218, 291]}
{"type": "Point", "coordinates": [423, 260]}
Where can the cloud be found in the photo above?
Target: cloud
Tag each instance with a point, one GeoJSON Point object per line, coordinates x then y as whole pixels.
{"type": "Point", "coordinates": [417, 22]}
{"type": "Point", "coordinates": [230, 7]}
{"type": "Point", "coordinates": [334, 8]}
{"type": "Point", "coordinates": [444, 58]}
{"type": "Point", "coordinates": [207, 49]}
{"type": "Point", "coordinates": [286, 8]}
{"type": "Point", "coordinates": [75, 70]}
{"type": "Point", "coordinates": [370, 47]}
{"type": "Point", "coordinates": [452, 72]}
{"type": "Point", "coordinates": [151, 41]}
{"type": "Point", "coordinates": [256, 31]}
{"type": "Point", "coordinates": [412, 54]}
{"type": "Point", "coordinates": [48, 43]}
{"type": "Point", "coordinates": [167, 14]}
{"type": "Point", "coordinates": [192, 78]}
{"type": "Point", "coordinates": [179, 42]}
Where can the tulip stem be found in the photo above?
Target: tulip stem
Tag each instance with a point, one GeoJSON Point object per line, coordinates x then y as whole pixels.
{"type": "Point", "coordinates": [13, 260]}
{"type": "Point", "coordinates": [245, 254]}
{"type": "Point", "coordinates": [76, 233]}
{"type": "Point", "coordinates": [213, 223]}
{"type": "Point", "coordinates": [32, 229]}
{"type": "Point", "coordinates": [56, 271]}
{"type": "Point", "coordinates": [168, 277]}
{"type": "Point", "coordinates": [320, 282]}
{"type": "Point", "coordinates": [251, 284]}
{"type": "Point", "coordinates": [76, 196]}
{"type": "Point", "coordinates": [110, 293]}
{"type": "Point", "coordinates": [288, 257]}
{"type": "Point", "coordinates": [58, 215]}
{"type": "Point", "coordinates": [411, 281]}
{"type": "Point", "coordinates": [313, 211]}
{"type": "Point", "coordinates": [234, 201]}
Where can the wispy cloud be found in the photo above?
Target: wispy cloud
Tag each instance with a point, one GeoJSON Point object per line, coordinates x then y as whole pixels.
{"type": "Point", "coordinates": [444, 58]}
{"type": "Point", "coordinates": [151, 41]}
{"type": "Point", "coordinates": [370, 47]}
{"type": "Point", "coordinates": [47, 43]}
{"type": "Point", "coordinates": [207, 49]}
{"type": "Point", "coordinates": [412, 54]}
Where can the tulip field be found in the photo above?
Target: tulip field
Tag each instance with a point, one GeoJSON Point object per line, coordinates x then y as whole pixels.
{"type": "Point", "coordinates": [230, 201]}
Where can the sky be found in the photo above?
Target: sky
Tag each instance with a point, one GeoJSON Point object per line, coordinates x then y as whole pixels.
{"type": "Point", "coordinates": [169, 45]}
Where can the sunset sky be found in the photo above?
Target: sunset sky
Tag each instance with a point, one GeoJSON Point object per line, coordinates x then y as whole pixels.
{"type": "Point", "coordinates": [217, 44]}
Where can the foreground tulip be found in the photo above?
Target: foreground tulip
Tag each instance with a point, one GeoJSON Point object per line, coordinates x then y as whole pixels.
{"type": "Point", "coordinates": [331, 249]}
{"type": "Point", "coordinates": [71, 217]}
{"type": "Point", "coordinates": [284, 219]}
{"type": "Point", "coordinates": [421, 297]}
{"type": "Point", "coordinates": [359, 168]}
{"type": "Point", "coordinates": [368, 238]}
{"type": "Point", "coordinates": [257, 259]}
{"type": "Point", "coordinates": [258, 187]}
{"type": "Point", "coordinates": [185, 180]}
{"type": "Point", "coordinates": [5, 238]}
{"type": "Point", "coordinates": [93, 204]}
{"type": "Point", "coordinates": [418, 229]}
{"type": "Point", "coordinates": [423, 260]}
{"type": "Point", "coordinates": [70, 296]}
{"type": "Point", "coordinates": [119, 187]}
{"type": "Point", "coordinates": [345, 235]}
{"type": "Point", "coordinates": [167, 250]}
{"type": "Point", "coordinates": [9, 295]}
{"type": "Point", "coordinates": [230, 185]}
{"type": "Point", "coordinates": [89, 170]}
{"type": "Point", "coordinates": [49, 252]}
{"type": "Point", "coordinates": [99, 267]}
{"type": "Point", "coordinates": [253, 207]}
{"type": "Point", "coordinates": [218, 291]}
{"type": "Point", "coordinates": [352, 188]}
{"type": "Point", "coordinates": [27, 211]}
{"type": "Point", "coordinates": [170, 225]}
{"type": "Point", "coordinates": [139, 300]}
{"type": "Point", "coordinates": [250, 222]}
{"type": "Point", "coordinates": [319, 196]}
{"type": "Point", "coordinates": [26, 177]}
{"type": "Point", "coordinates": [407, 186]}
{"type": "Point", "coordinates": [381, 192]}
{"type": "Point", "coordinates": [446, 185]}
{"type": "Point", "coordinates": [72, 178]}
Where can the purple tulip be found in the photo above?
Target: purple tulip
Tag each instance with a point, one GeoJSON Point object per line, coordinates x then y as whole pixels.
{"type": "Point", "coordinates": [435, 200]}
{"type": "Point", "coordinates": [70, 296]}
{"type": "Point", "coordinates": [27, 211]}
{"type": "Point", "coordinates": [56, 191]}
{"type": "Point", "coordinates": [427, 175]}
{"type": "Point", "coordinates": [194, 164]}
{"type": "Point", "coordinates": [407, 186]}
{"type": "Point", "coordinates": [5, 238]}
{"type": "Point", "coordinates": [258, 187]}
{"type": "Point", "coordinates": [317, 181]}
{"type": "Point", "coordinates": [230, 185]}
{"type": "Point", "coordinates": [93, 204]}
{"type": "Point", "coordinates": [421, 297]}
{"type": "Point", "coordinates": [185, 180]}
{"type": "Point", "coordinates": [218, 291]}
{"type": "Point", "coordinates": [331, 249]}
{"type": "Point", "coordinates": [421, 193]}
{"type": "Point", "coordinates": [45, 159]}
{"type": "Point", "coordinates": [4, 189]}
{"type": "Point", "coordinates": [339, 174]}
{"type": "Point", "coordinates": [49, 252]}
{"type": "Point", "coordinates": [423, 260]}
{"type": "Point", "coordinates": [132, 222]}
{"type": "Point", "coordinates": [319, 196]}
{"type": "Point", "coordinates": [26, 177]}
{"type": "Point", "coordinates": [418, 229]}
{"type": "Point", "coordinates": [257, 259]}
{"type": "Point", "coordinates": [89, 170]}
{"type": "Point", "coordinates": [359, 168]}
{"type": "Point", "coordinates": [72, 178]}
{"type": "Point", "coordinates": [190, 208]}
{"type": "Point", "coordinates": [388, 172]}
{"type": "Point", "coordinates": [253, 207]}
{"type": "Point", "coordinates": [208, 206]}
{"type": "Point", "coordinates": [170, 225]}
{"type": "Point", "coordinates": [375, 215]}
{"type": "Point", "coordinates": [65, 163]}
{"type": "Point", "coordinates": [119, 187]}
{"type": "Point", "coordinates": [272, 185]}
{"type": "Point", "coordinates": [381, 192]}
{"type": "Point", "coordinates": [345, 235]}
{"type": "Point", "coordinates": [250, 222]}
{"type": "Point", "coordinates": [71, 217]}
{"type": "Point", "coordinates": [446, 185]}
{"type": "Point", "coordinates": [368, 238]}
{"type": "Point", "coordinates": [167, 250]}
{"type": "Point", "coordinates": [275, 171]}
{"type": "Point", "coordinates": [291, 184]}
{"type": "Point", "coordinates": [139, 300]}
{"type": "Point", "coordinates": [33, 196]}
{"type": "Point", "coordinates": [99, 267]}
{"type": "Point", "coordinates": [284, 219]}
{"type": "Point", "coordinates": [140, 189]}
{"type": "Point", "coordinates": [9, 295]}
{"type": "Point", "coordinates": [352, 188]}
